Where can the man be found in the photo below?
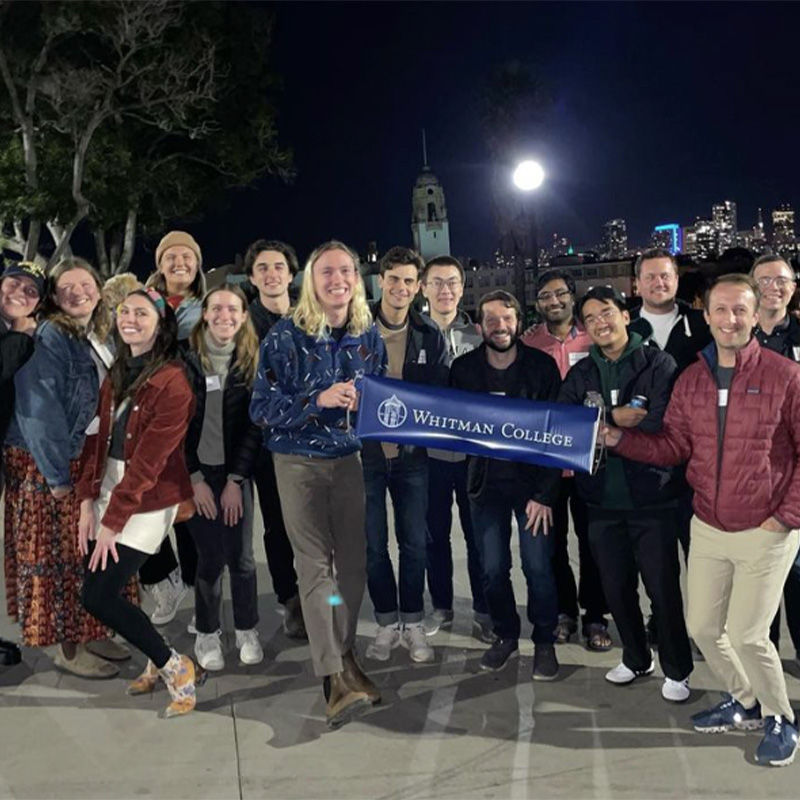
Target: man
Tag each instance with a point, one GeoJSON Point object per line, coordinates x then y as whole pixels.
{"type": "Point", "coordinates": [443, 288]}
{"type": "Point", "coordinates": [631, 506]}
{"type": "Point", "coordinates": [563, 338]}
{"type": "Point", "coordinates": [500, 489]}
{"type": "Point", "coordinates": [779, 331]}
{"type": "Point", "coordinates": [416, 352]}
{"type": "Point", "coordinates": [271, 267]}
{"type": "Point", "coordinates": [735, 417]}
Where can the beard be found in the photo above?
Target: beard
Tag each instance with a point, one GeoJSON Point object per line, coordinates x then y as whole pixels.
{"type": "Point", "coordinates": [501, 348]}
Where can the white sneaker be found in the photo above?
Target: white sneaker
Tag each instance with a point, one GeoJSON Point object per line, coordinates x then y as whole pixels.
{"type": "Point", "coordinates": [413, 638]}
{"type": "Point", "coordinates": [386, 639]}
{"type": "Point", "coordinates": [622, 675]}
{"type": "Point", "coordinates": [208, 649]}
{"type": "Point", "coordinates": [250, 649]}
{"type": "Point", "coordinates": [438, 620]}
{"type": "Point", "coordinates": [675, 691]}
{"type": "Point", "coordinates": [168, 595]}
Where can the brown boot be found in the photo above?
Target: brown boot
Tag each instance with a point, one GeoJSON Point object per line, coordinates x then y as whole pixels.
{"type": "Point", "coordinates": [344, 703]}
{"type": "Point", "coordinates": [146, 682]}
{"type": "Point", "coordinates": [357, 680]}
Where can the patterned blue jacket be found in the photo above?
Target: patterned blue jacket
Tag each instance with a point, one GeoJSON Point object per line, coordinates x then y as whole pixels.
{"type": "Point", "coordinates": [293, 369]}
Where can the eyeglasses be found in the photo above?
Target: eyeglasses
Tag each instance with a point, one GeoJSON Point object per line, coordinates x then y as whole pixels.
{"type": "Point", "coordinates": [438, 284]}
{"type": "Point", "coordinates": [561, 294]}
{"type": "Point", "coordinates": [603, 316]}
{"type": "Point", "coordinates": [781, 281]}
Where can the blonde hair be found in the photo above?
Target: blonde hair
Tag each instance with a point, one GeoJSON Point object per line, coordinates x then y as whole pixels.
{"type": "Point", "coordinates": [118, 287]}
{"type": "Point", "coordinates": [100, 322]}
{"type": "Point", "coordinates": [246, 339]}
{"type": "Point", "coordinates": [309, 315]}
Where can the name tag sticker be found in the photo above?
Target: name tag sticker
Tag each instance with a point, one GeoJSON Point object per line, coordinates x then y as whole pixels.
{"type": "Point", "coordinates": [423, 357]}
{"type": "Point", "coordinates": [213, 383]}
{"type": "Point", "coordinates": [574, 358]}
{"type": "Point", "coordinates": [722, 398]}
{"type": "Point", "coordinates": [614, 396]}
{"type": "Point", "coordinates": [94, 427]}
{"type": "Point", "coordinates": [796, 353]}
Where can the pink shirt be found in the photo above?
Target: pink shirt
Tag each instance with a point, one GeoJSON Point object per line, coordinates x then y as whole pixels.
{"type": "Point", "coordinates": [567, 353]}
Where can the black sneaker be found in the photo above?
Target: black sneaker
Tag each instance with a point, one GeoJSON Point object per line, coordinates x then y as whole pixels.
{"type": "Point", "coordinates": [495, 658]}
{"type": "Point", "coordinates": [545, 663]}
{"type": "Point", "coordinates": [9, 653]}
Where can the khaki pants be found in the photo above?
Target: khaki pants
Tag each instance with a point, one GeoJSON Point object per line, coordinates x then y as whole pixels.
{"type": "Point", "coordinates": [323, 508]}
{"type": "Point", "coordinates": [735, 582]}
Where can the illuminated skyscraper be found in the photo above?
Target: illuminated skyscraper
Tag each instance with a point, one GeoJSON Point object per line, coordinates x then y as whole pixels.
{"type": "Point", "coordinates": [723, 216]}
{"type": "Point", "coordinates": [783, 227]}
{"type": "Point", "coordinates": [615, 239]}
{"type": "Point", "coordinates": [667, 237]}
{"type": "Point", "coordinates": [705, 237]}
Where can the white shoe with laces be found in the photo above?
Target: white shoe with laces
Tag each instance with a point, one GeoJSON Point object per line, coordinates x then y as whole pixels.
{"type": "Point", "coordinates": [622, 675]}
{"type": "Point", "coordinates": [386, 639]}
{"type": "Point", "coordinates": [208, 649]}
{"type": "Point", "coordinates": [250, 649]}
{"type": "Point", "coordinates": [414, 640]}
{"type": "Point", "coordinates": [675, 691]}
{"type": "Point", "coordinates": [168, 595]}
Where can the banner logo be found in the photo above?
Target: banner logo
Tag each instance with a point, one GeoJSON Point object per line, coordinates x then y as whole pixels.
{"type": "Point", "coordinates": [392, 412]}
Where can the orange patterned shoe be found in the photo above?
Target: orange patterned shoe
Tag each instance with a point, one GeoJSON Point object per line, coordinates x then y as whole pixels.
{"type": "Point", "coordinates": [179, 675]}
{"type": "Point", "coordinates": [146, 682]}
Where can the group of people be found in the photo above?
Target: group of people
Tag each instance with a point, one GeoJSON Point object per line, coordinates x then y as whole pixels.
{"type": "Point", "coordinates": [163, 405]}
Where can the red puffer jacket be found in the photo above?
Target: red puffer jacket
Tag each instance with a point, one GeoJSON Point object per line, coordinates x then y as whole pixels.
{"type": "Point", "coordinates": [754, 474]}
{"type": "Point", "coordinates": [155, 467]}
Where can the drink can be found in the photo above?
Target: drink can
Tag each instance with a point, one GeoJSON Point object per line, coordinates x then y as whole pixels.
{"type": "Point", "coordinates": [638, 401]}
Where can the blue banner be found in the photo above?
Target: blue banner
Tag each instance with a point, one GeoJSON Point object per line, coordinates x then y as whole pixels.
{"type": "Point", "coordinates": [547, 434]}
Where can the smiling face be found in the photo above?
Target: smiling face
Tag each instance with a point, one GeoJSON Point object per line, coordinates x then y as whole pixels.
{"type": "Point", "coordinates": [499, 326]}
{"type": "Point", "coordinates": [731, 315]}
{"type": "Point", "coordinates": [657, 284]}
{"type": "Point", "coordinates": [555, 302]}
{"type": "Point", "coordinates": [335, 278]}
{"type": "Point", "coordinates": [606, 324]}
{"type": "Point", "coordinates": [224, 316]}
{"type": "Point", "coordinates": [443, 288]}
{"type": "Point", "coordinates": [178, 265]}
{"type": "Point", "coordinates": [271, 274]}
{"type": "Point", "coordinates": [399, 286]}
{"type": "Point", "coordinates": [137, 323]}
{"type": "Point", "coordinates": [19, 297]}
{"type": "Point", "coordinates": [777, 284]}
{"type": "Point", "coordinates": [77, 294]}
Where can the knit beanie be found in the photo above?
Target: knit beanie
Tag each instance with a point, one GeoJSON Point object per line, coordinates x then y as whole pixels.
{"type": "Point", "coordinates": [174, 238]}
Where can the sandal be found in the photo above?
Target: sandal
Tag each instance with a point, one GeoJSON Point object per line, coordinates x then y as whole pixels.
{"type": "Point", "coordinates": [565, 628]}
{"type": "Point", "coordinates": [597, 637]}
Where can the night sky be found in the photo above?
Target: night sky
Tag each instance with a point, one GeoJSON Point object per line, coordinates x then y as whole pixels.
{"type": "Point", "coordinates": [661, 109]}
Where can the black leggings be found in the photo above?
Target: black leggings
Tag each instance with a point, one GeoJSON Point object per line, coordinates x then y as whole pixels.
{"type": "Point", "coordinates": [102, 598]}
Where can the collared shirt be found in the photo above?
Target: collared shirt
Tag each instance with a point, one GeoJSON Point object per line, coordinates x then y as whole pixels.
{"type": "Point", "coordinates": [567, 353]}
{"type": "Point", "coordinates": [778, 340]}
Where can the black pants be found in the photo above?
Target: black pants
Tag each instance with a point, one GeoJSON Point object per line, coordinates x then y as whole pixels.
{"type": "Point", "coordinates": [102, 598]}
{"type": "Point", "coordinates": [791, 602]}
{"type": "Point", "coordinates": [220, 545]}
{"type": "Point", "coordinates": [625, 544]}
{"type": "Point", "coordinates": [280, 556]}
{"type": "Point", "coordinates": [159, 565]}
{"type": "Point", "coordinates": [589, 592]}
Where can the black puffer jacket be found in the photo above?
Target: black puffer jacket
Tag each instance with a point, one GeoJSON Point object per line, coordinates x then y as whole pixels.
{"type": "Point", "coordinates": [15, 350]}
{"type": "Point", "coordinates": [646, 371]}
{"type": "Point", "coordinates": [241, 436]}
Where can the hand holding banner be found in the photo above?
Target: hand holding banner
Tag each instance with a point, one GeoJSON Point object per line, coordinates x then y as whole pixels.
{"type": "Point", "coordinates": [546, 434]}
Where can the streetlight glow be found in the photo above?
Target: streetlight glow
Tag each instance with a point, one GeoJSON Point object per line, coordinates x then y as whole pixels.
{"type": "Point", "coordinates": [528, 176]}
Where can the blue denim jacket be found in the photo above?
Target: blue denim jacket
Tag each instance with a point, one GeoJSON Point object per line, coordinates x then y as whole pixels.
{"type": "Point", "coordinates": [293, 369]}
{"type": "Point", "coordinates": [56, 399]}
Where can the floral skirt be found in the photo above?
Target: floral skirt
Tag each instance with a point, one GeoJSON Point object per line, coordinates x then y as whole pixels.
{"type": "Point", "coordinates": [43, 568]}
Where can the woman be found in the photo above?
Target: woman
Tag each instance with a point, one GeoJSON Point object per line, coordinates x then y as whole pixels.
{"type": "Point", "coordinates": [222, 448]}
{"type": "Point", "coordinates": [179, 277]}
{"type": "Point", "coordinates": [56, 395]}
{"type": "Point", "coordinates": [132, 480]}
{"type": "Point", "coordinates": [21, 289]}
{"type": "Point", "coordinates": [303, 393]}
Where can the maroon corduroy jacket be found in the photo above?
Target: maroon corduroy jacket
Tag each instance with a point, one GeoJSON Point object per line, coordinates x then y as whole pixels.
{"type": "Point", "coordinates": [754, 473]}
{"type": "Point", "coordinates": [155, 469]}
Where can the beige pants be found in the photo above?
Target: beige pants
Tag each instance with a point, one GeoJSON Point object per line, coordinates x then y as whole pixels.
{"type": "Point", "coordinates": [735, 582]}
{"type": "Point", "coordinates": [323, 506]}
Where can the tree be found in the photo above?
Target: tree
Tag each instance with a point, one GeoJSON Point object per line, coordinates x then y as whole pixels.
{"type": "Point", "coordinates": [514, 107]}
{"type": "Point", "coordinates": [124, 114]}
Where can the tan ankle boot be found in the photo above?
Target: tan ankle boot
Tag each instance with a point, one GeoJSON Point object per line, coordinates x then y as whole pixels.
{"type": "Point", "coordinates": [179, 675]}
{"type": "Point", "coordinates": [344, 703]}
{"type": "Point", "coordinates": [357, 680]}
{"type": "Point", "coordinates": [146, 682]}
{"type": "Point", "coordinates": [84, 664]}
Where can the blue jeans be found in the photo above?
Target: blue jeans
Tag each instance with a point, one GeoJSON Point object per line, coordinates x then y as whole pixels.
{"type": "Point", "coordinates": [446, 478]}
{"type": "Point", "coordinates": [406, 479]}
{"type": "Point", "coordinates": [492, 520]}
